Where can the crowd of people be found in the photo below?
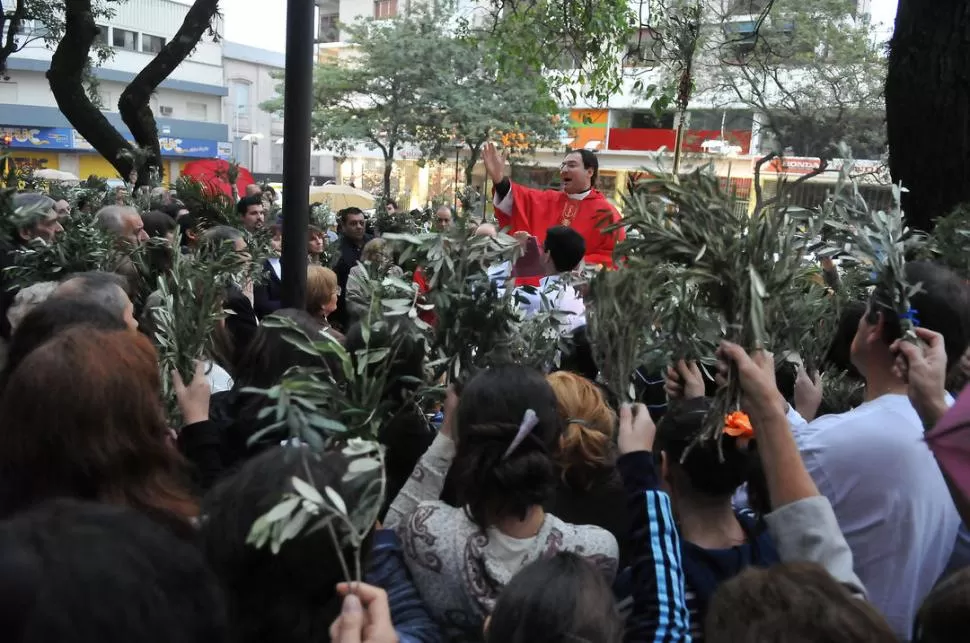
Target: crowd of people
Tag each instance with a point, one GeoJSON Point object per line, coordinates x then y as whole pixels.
{"type": "Point", "coordinates": [540, 509]}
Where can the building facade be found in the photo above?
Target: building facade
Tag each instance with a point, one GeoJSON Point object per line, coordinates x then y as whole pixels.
{"type": "Point", "coordinates": [257, 135]}
{"type": "Point", "coordinates": [188, 105]}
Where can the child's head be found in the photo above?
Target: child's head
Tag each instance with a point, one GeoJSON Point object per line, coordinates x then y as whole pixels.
{"type": "Point", "coordinates": [563, 598]}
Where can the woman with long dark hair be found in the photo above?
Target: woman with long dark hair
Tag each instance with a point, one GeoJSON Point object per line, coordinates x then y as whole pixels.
{"type": "Point", "coordinates": [82, 418]}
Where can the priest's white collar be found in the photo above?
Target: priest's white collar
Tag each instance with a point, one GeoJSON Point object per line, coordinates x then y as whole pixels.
{"type": "Point", "coordinates": [579, 196]}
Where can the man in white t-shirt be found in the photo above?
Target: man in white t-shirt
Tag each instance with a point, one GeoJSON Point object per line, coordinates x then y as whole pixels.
{"type": "Point", "coordinates": [873, 465]}
{"type": "Point", "coordinates": [563, 251]}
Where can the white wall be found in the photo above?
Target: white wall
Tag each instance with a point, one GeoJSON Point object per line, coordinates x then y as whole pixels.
{"type": "Point", "coordinates": [253, 120]}
{"type": "Point", "coordinates": [159, 18]}
{"type": "Point", "coordinates": [32, 88]}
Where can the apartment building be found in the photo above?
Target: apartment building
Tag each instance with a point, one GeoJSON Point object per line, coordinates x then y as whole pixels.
{"type": "Point", "coordinates": [250, 77]}
{"type": "Point", "coordinates": [188, 105]}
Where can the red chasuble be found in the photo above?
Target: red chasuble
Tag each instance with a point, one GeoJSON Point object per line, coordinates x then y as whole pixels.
{"type": "Point", "coordinates": [535, 211]}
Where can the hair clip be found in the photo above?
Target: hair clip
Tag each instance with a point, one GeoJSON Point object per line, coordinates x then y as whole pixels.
{"type": "Point", "coordinates": [738, 426]}
{"type": "Point", "coordinates": [910, 314]}
{"type": "Point", "coordinates": [529, 422]}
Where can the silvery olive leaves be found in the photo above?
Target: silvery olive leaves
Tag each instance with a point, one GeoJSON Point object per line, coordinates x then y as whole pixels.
{"type": "Point", "coordinates": [879, 241]}
{"type": "Point", "coordinates": [716, 273]}
{"type": "Point", "coordinates": [307, 509]}
{"type": "Point", "coordinates": [187, 307]}
{"type": "Point", "coordinates": [476, 315]}
{"type": "Point", "coordinates": [339, 405]}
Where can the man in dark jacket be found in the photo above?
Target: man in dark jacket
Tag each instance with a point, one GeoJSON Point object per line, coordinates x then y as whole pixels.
{"type": "Point", "coordinates": [36, 218]}
{"type": "Point", "coordinates": [353, 238]}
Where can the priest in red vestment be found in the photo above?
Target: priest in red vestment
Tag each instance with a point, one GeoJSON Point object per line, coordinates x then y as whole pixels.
{"type": "Point", "coordinates": [579, 205]}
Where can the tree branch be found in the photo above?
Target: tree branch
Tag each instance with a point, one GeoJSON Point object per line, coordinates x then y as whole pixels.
{"type": "Point", "coordinates": [12, 23]}
{"type": "Point", "coordinates": [65, 78]}
{"type": "Point", "coordinates": [134, 104]}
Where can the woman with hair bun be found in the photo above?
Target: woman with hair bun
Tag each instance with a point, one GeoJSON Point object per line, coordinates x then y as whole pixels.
{"type": "Point", "coordinates": [500, 438]}
{"type": "Point", "coordinates": [716, 541]}
{"type": "Point", "coordinates": [590, 490]}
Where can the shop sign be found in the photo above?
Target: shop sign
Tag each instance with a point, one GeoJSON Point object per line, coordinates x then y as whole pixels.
{"type": "Point", "coordinates": [50, 138]}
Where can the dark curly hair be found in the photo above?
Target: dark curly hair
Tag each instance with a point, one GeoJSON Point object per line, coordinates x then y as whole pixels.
{"type": "Point", "coordinates": [492, 406]}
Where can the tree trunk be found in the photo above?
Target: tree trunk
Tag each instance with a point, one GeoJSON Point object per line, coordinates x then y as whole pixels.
{"type": "Point", "coordinates": [928, 107]}
{"type": "Point", "coordinates": [12, 23]}
{"type": "Point", "coordinates": [134, 104]}
{"type": "Point", "coordinates": [65, 78]}
{"type": "Point", "coordinates": [476, 152]}
{"type": "Point", "coordinates": [388, 168]}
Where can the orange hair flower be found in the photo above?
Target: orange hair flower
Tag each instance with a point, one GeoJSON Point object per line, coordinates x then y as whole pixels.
{"type": "Point", "coordinates": [738, 425]}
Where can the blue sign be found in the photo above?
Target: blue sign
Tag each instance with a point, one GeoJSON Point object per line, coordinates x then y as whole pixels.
{"type": "Point", "coordinates": [56, 138]}
{"type": "Point", "coordinates": [44, 138]}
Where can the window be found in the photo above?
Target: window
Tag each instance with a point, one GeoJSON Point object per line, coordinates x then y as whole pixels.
{"type": "Point", "coordinates": [106, 103]}
{"type": "Point", "coordinates": [124, 39]}
{"type": "Point", "coordinates": [240, 97]}
{"type": "Point", "coordinates": [328, 30]}
{"type": "Point", "coordinates": [624, 119]}
{"type": "Point", "coordinates": [151, 44]}
{"type": "Point", "coordinates": [102, 37]}
{"type": "Point", "coordinates": [385, 8]}
{"type": "Point", "coordinates": [642, 50]}
{"type": "Point", "coordinates": [197, 111]}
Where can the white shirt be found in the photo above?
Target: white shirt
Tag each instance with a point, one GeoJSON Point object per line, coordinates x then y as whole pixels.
{"type": "Point", "coordinates": [560, 296]}
{"type": "Point", "coordinates": [500, 272]}
{"type": "Point", "coordinates": [890, 498]}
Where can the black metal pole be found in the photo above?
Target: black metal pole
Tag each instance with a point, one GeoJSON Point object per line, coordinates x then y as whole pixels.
{"type": "Point", "coordinates": [297, 105]}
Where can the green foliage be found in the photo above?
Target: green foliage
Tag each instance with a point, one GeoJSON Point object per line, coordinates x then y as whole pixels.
{"type": "Point", "coordinates": [576, 41]}
{"type": "Point", "coordinates": [618, 315]}
{"type": "Point", "coordinates": [189, 307]}
{"type": "Point", "coordinates": [949, 244]}
{"type": "Point", "coordinates": [48, 26]}
{"type": "Point", "coordinates": [211, 207]}
{"type": "Point", "coordinates": [411, 83]}
{"type": "Point", "coordinates": [475, 101]}
{"type": "Point", "coordinates": [82, 247]}
{"type": "Point", "coordinates": [879, 241]}
{"type": "Point", "coordinates": [476, 318]}
{"type": "Point", "coordinates": [841, 392]}
{"type": "Point", "coordinates": [814, 70]}
{"type": "Point", "coordinates": [380, 96]}
{"type": "Point", "coordinates": [308, 509]}
{"type": "Point", "coordinates": [746, 273]}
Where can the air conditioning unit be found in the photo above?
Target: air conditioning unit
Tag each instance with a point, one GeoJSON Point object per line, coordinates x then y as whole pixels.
{"type": "Point", "coordinates": [165, 110]}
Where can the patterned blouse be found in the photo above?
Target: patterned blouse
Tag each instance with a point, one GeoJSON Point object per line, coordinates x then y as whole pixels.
{"type": "Point", "coordinates": [458, 568]}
